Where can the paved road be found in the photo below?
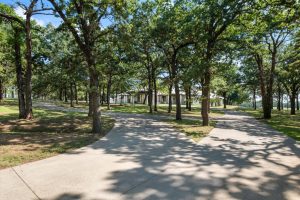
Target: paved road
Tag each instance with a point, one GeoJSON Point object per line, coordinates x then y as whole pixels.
{"type": "Point", "coordinates": [142, 158]}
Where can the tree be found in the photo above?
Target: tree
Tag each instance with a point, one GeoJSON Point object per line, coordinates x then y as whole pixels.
{"type": "Point", "coordinates": [213, 19]}
{"type": "Point", "coordinates": [83, 20]}
{"type": "Point", "coordinates": [266, 31]}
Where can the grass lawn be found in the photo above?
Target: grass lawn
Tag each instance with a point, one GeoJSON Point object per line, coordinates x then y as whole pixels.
{"type": "Point", "coordinates": [281, 121]}
{"type": "Point", "coordinates": [48, 134]}
{"type": "Point", "coordinates": [162, 109]}
{"type": "Point", "coordinates": [192, 128]}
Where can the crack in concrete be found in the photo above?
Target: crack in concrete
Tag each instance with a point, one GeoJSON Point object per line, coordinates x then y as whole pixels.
{"type": "Point", "coordinates": [26, 184]}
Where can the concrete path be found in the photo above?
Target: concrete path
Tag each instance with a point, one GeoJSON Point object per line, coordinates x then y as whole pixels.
{"type": "Point", "coordinates": [142, 158]}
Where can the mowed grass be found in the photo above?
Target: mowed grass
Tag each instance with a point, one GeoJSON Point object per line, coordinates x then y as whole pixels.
{"type": "Point", "coordinates": [162, 110]}
{"type": "Point", "coordinates": [281, 121]}
{"type": "Point", "coordinates": [192, 128]}
{"type": "Point", "coordinates": [48, 134]}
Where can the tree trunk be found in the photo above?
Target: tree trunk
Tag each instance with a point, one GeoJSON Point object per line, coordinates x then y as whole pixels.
{"type": "Point", "coordinates": [109, 82]}
{"type": "Point", "coordinates": [28, 73]}
{"type": "Point", "coordinates": [19, 74]}
{"type": "Point", "coordinates": [66, 94]}
{"type": "Point", "coordinates": [86, 97]}
{"type": "Point", "coordinates": [1, 90]}
{"type": "Point", "coordinates": [71, 95]}
{"type": "Point", "coordinates": [145, 99]}
{"type": "Point", "coordinates": [225, 100]}
{"type": "Point", "coordinates": [297, 101]}
{"type": "Point", "coordinates": [186, 98]}
{"type": "Point", "coordinates": [279, 98]}
{"type": "Point", "coordinates": [254, 98]}
{"type": "Point", "coordinates": [60, 94]}
{"type": "Point", "coordinates": [282, 101]}
{"type": "Point", "coordinates": [176, 86]}
{"type": "Point", "coordinates": [205, 97]}
{"type": "Point", "coordinates": [155, 91]}
{"type": "Point", "coordinates": [266, 104]}
{"type": "Point", "coordinates": [76, 93]}
{"type": "Point", "coordinates": [190, 98]}
{"type": "Point", "coordinates": [103, 95]}
{"type": "Point", "coordinates": [94, 94]}
{"type": "Point", "coordinates": [150, 89]}
{"type": "Point", "coordinates": [293, 103]}
{"type": "Point", "coordinates": [170, 98]}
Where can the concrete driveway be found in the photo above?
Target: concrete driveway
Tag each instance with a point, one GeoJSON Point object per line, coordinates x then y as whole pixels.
{"type": "Point", "coordinates": [142, 158]}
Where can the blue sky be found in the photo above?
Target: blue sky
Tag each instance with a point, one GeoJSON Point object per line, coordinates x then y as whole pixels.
{"type": "Point", "coordinates": [42, 20]}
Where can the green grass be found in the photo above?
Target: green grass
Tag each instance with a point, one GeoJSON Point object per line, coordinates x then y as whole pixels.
{"type": "Point", "coordinates": [162, 110]}
{"type": "Point", "coordinates": [281, 121]}
{"type": "Point", "coordinates": [48, 134]}
{"type": "Point", "coordinates": [192, 128]}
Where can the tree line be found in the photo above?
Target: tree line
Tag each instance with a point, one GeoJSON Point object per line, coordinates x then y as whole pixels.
{"type": "Point", "coordinates": [235, 49]}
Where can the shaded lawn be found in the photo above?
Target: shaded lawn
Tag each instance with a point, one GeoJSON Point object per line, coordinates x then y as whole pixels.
{"type": "Point", "coordinates": [162, 109]}
{"type": "Point", "coordinates": [192, 128]}
{"type": "Point", "coordinates": [281, 121]}
{"type": "Point", "coordinates": [48, 134]}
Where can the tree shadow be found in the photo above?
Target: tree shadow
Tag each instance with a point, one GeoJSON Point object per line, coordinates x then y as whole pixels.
{"type": "Point", "coordinates": [252, 162]}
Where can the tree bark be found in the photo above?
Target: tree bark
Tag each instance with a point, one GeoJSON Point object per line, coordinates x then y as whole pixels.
{"type": "Point", "coordinates": [19, 74]}
{"type": "Point", "coordinates": [109, 82]}
{"type": "Point", "coordinates": [175, 79]}
{"type": "Point", "coordinates": [279, 98]}
{"type": "Point", "coordinates": [186, 98]}
{"type": "Point", "coordinates": [71, 95]}
{"type": "Point", "coordinates": [293, 103]}
{"type": "Point", "coordinates": [66, 94]}
{"type": "Point", "coordinates": [28, 72]}
{"type": "Point", "coordinates": [60, 94]}
{"type": "Point", "coordinates": [1, 89]}
{"type": "Point", "coordinates": [155, 89]}
{"type": "Point", "coordinates": [254, 98]}
{"type": "Point", "coordinates": [76, 93]}
{"type": "Point", "coordinates": [225, 100]}
{"type": "Point", "coordinates": [190, 98]}
{"type": "Point", "coordinates": [205, 96]}
{"type": "Point", "coordinates": [297, 100]}
{"type": "Point", "coordinates": [170, 98]}
{"type": "Point", "coordinates": [94, 94]}
{"type": "Point", "coordinates": [150, 89]}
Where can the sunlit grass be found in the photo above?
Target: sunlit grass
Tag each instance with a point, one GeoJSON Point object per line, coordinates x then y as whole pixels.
{"type": "Point", "coordinates": [281, 121]}
{"type": "Point", "coordinates": [192, 128]}
{"type": "Point", "coordinates": [48, 134]}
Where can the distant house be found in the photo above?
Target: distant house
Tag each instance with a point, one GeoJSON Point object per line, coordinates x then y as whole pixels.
{"type": "Point", "coordinates": [141, 97]}
{"type": "Point", "coordinates": [10, 93]}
